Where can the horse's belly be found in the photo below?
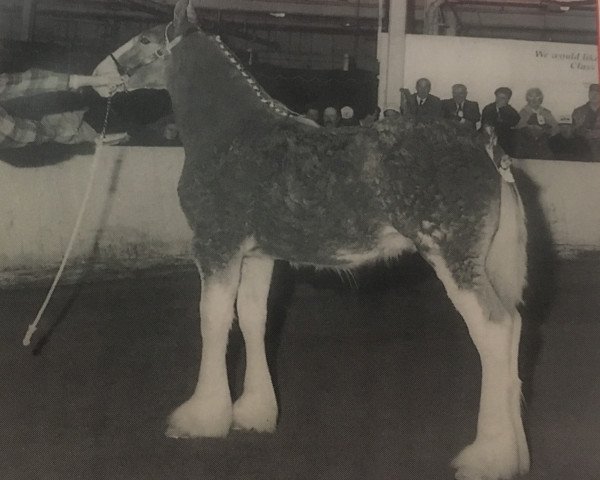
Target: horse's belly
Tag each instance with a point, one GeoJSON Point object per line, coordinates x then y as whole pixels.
{"type": "Point", "coordinates": [390, 243]}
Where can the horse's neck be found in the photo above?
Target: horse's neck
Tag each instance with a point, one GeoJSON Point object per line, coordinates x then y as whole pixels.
{"type": "Point", "coordinates": [211, 97]}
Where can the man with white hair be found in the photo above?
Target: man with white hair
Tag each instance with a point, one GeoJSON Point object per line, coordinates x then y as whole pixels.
{"type": "Point", "coordinates": [348, 118]}
{"type": "Point", "coordinates": [458, 108]}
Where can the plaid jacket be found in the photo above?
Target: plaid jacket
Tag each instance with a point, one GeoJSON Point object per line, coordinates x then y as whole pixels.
{"type": "Point", "coordinates": [18, 132]}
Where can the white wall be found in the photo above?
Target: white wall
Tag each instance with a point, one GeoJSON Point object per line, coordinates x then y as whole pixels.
{"type": "Point", "coordinates": [135, 203]}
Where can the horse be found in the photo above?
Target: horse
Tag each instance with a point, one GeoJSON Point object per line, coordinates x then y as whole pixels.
{"type": "Point", "coordinates": [259, 183]}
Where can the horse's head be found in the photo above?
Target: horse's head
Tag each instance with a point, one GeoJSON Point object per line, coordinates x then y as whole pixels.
{"type": "Point", "coordinates": [142, 60]}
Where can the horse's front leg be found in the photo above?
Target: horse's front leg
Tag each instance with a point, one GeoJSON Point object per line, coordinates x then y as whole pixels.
{"type": "Point", "coordinates": [256, 409]}
{"type": "Point", "coordinates": [208, 413]}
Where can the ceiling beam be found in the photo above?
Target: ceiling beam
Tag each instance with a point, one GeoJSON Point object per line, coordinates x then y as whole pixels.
{"type": "Point", "coordinates": [571, 4]}
{"type": "Point", "coordinates": [364, 8]}
{"type": "Point", "coordinates": [149, 6]}
{"type": "Point", "coordinates": [27, 20]}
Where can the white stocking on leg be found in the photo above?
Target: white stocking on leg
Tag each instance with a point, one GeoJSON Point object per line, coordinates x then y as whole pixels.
{"type": "Point", "coordinates": [208, 413]}
{"type": "Point", "coordinates": [500, 450]}
{"type": "Point", "coordinates": [256, 409]}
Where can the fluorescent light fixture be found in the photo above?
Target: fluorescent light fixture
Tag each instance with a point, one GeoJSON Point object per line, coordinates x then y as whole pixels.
{"type": "Point", "coordinates": [277, 14]}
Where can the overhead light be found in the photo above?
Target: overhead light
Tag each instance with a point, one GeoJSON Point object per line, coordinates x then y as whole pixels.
{"type": "Point", "coordinates": [556, 6]}
{"type": "Point", "coordinates": [277, 14]}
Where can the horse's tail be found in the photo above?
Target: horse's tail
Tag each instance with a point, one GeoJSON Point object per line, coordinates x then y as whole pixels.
{"type": "Point", "coordinates": [506, 263]}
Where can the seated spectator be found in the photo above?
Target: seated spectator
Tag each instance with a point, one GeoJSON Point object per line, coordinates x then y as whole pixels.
{"type": "Point", "coordinates": [67, 127]}
{"type": "Point", "coordinates": [458, 108]}
{"type": "Point", "coordinates": [586, 122]}
{"type": "Point", "coordinates": [162, 133]}
{"type": "Point", "coordinates": [391, 113]}
{"type": "Point", "coordinates": [566, 146]}
{"type": "Point", "coordinates": [312, 113]}
{"type": "Point", "coordinates": [423, 106]}
{"type": "Point", "coordinates": [170, 132]}
{"type": "Point", "coordinates": [503, 117]}
{"type": "Point", "coordinates": [331, 117]}
{"type": "Point", "coordinates": [536, 126]}
{"type": "Point", "coordinates": [371, 117]}
{"type": "Point", "coordinates": [348, 119]}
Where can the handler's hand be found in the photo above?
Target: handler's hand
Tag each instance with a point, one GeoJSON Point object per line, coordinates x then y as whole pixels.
{"type": "Point", "coordinates": [113, 138]}
{"type": "Point", "coordinates": [112, 81]}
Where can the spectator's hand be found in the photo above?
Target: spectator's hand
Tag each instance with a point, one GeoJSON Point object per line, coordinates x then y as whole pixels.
{"type": "Point", "coordinates": [535, 130]}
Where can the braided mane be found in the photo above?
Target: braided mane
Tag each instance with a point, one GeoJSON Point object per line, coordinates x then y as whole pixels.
{"type": "Point", "coordinates": [260, 92]}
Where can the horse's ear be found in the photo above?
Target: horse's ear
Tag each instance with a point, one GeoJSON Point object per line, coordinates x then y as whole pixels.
{"type": "Point", "coordinates": [184, 14]}
{"type": "Point", "coordinates": [191, 13]}
{"type": "Point", "coordinates": [180, 12]}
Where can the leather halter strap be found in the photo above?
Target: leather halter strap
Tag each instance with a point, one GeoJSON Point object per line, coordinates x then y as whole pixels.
{"type": "Point", "coordinates": [158, 54]}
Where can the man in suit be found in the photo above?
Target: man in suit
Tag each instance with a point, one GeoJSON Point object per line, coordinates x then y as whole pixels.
{"type": "Point", "coordinates": [423, 106]}
{"type": "Point", "coordinates": [586, 122]}
{"type": "Point", "coordinates": [458, 108]}
{"type": "Point", "coordinates": [503, 117]}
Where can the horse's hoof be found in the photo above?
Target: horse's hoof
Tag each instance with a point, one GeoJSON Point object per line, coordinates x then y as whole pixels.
{"type": "Point", "coordinates": [200, 418]}
{"type": "Point", "coordinates": [490, 461]}
{"type": "Point", "coordinates": [255, 412]}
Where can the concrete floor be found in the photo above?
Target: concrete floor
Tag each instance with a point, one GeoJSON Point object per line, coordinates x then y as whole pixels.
{"type": "Point", "coordinates": [376, 383]}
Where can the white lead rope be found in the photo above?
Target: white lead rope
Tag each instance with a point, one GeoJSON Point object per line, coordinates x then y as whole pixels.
{"type": "Point", "coordinates": [33, 327]}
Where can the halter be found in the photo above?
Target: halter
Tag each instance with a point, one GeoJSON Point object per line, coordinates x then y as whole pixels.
{"type": "Point", "coordinates": [158, 54]}
{"type": "Point", "coordinates": [170, 44]}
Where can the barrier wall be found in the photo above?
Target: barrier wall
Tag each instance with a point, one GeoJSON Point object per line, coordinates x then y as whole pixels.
{"type": "Point", "coordinates": [569, 193]}
{"type": "Point", "coordinates": [134, 217]}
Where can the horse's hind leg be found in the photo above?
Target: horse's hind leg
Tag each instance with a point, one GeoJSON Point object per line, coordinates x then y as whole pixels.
{"type": "Point", "coordinates": [256, 409]}
{"type": "Point", "coordinates": [208, 413]}
{"type": "Point", "coordinates": [500, 448]}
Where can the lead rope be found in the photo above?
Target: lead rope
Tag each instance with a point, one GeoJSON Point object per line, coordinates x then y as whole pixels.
{"type": "Point", "coordinates": [99, 144]}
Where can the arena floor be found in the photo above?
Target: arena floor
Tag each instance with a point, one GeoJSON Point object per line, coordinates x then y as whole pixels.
{"type": "Point", "coordinates": [376, 383]}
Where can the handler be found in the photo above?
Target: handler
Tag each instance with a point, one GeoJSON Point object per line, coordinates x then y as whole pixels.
{"type": "Point", "coordinates": [66, 127]}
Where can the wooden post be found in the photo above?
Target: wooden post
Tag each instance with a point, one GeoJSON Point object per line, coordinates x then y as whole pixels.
{"type": "Point", "coordinates": [598, 36]}
{"type": "Point", "coordinates": [27, 20]}
{"type": "Point", "coordinates": [391, 48]}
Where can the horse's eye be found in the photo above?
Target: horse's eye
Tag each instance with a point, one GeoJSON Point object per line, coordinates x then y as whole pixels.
{"type": "Point", "coordinates": [145, 40]}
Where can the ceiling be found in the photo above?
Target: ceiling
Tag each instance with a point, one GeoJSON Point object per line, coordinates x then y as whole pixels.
{"type": "Point", "coordinates": [560, 20]}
